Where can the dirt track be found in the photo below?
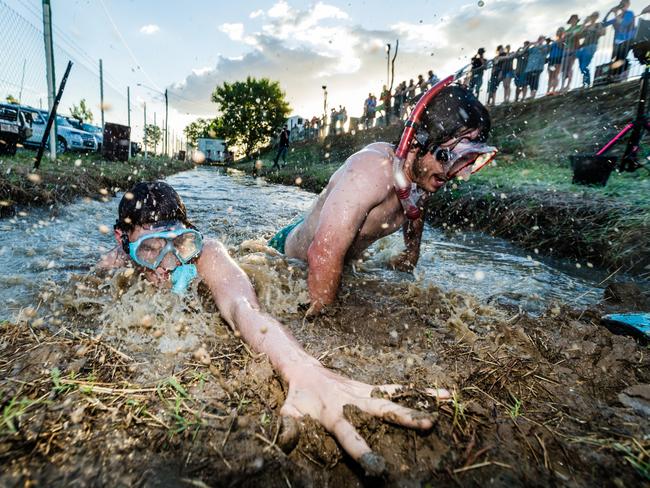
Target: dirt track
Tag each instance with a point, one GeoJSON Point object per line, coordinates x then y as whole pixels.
{"type": "Point", "coordinates": [537, 400]}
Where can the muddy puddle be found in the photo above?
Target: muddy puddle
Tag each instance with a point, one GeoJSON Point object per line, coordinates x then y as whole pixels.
{"type": "Point", "coordinates": [106, 381]}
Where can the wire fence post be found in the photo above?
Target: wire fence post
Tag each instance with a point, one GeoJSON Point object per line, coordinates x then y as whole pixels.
{"type": "Point", "coordinates": [49, 63]}
{"type": "Point", "coordinates": [101, 90]}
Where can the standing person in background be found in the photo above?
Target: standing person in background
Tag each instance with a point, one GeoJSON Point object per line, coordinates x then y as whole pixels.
{"type": "Point", "coordinates": [535, 65]}
{"type": "Point", "coordinates": [521, 57]}
{"type": "Point", "coordinates": [410, 92]}
{"type": "Point", "coordinates": [478, 68]}
{"type": "Point", "coordinates": [571, 39]}
{"type": "Point", "coordinates": [495, 76]}
{"type": "Point", "coordinates": [371, 107]}
{"type": "Point", "coordinates": [555, 58]}
{"type": "Point", "coordinates": [283, 148]}
{"type": "Point", "coordinates": [334, 116]}
{"type": "Point", "coordinates": [433, 79]}
{"type": "Point", "coordinates": [422, 84]}
{"type": "Point", "coordinates": [624, 31]}
{"type": "Point", "coordinates": [385, 99]}
{"type": "Point", "coordinates": [589, 35]}
{"type": "Point", "coordinates": [398, 99]}
{"type": "Point", "coordinates": [507, 72]}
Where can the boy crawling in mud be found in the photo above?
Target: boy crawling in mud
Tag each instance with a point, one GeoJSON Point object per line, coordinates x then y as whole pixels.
{"type": "Point", "coordinates": [366, 198]}
{"type": "Point", "coordinates": [154, 234]}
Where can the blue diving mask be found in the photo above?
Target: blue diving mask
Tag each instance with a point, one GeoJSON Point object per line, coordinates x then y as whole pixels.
{"type": "Point", "coordinates": [184, 244]}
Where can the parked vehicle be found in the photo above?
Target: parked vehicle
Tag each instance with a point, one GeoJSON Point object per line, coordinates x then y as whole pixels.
{"type": "Point", "coordinates": [14, 128]}
{"type": "Point", "coordinates": [68, 138]}
{"type": "Point", "coordinates": [97, 132]}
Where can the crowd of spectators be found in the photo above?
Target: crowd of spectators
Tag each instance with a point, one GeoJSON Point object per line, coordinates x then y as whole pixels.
{"type": "Point", "coordinates": [518, 71]}
{"type": "Point", "coordinates": [573, 42]}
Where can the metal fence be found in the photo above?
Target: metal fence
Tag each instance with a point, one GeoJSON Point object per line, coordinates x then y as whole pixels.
{"type": "Point", "coordinates": [23, 72]}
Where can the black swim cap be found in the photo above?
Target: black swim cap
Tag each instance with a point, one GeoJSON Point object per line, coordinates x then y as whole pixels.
{"type": "Point", "coordinates": [453, 110]}
{"type": "Point", "coordinates": [150, 202]}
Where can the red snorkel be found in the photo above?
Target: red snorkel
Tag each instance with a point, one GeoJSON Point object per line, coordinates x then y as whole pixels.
{"type": "Point", "coordinates": [402, 186]}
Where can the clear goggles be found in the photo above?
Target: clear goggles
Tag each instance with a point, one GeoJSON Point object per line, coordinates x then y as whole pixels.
{"type": "Point", "coordinates": [151, 249]}
{"type": "Point", "coordinates": [463, 158]}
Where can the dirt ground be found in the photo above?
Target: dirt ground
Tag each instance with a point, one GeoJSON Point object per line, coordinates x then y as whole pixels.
{"type": "Point", "coordinates": [105, 382]}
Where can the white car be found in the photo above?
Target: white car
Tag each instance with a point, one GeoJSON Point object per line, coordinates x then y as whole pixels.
{"type": "Point", "coordinates": [67, 137]}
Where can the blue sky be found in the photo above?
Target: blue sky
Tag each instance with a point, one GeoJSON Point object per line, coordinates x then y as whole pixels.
{"type": "Point", "coordinates": [191, 46]}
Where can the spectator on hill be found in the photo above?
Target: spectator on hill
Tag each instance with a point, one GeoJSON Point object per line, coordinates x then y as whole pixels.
{"type": "Point", "coordinates": [410, 92]}
{"type": "Point", "coordinates": [478, 68]}
{"type": "Point", "coordinates": [283, 148]}
{"type": "Point", "coordinates": [521, 58]}
{"type": "Point", "coordinates": [342, 118]}
{"type": "Point", "coordinates": [495, 76]}
{"type": "Point", "coordinates": [571, 44]}
{"type": "Point", "coordinates": [398, 99]}
{"type": "Point", "coordinates": [422, 84]}
{"type": "Point", "coordinates": [385, 100]}
{"type": "Point", "coordinates": [589, 35]}
{"type": "Point", "coordinates": [369, 110]}
{"type": "Point", "coordinates": [555, 57]}
{"type": "Point", "coordinates": [535, 65]}
{"type": "Point", "coordinates": [433, 79]}
{"type": "Point", "coordinates": [624, 30]}
{"type": "Point", "coordinates": [334, 117]}
{"type": "Point", "coordinates": [507, 72]}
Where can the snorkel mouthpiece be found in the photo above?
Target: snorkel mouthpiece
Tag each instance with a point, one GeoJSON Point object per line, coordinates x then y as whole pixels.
{"type": "Point", "coordinates": [408, 198]}
{"type": "Point", "coordinates": [182, 276]}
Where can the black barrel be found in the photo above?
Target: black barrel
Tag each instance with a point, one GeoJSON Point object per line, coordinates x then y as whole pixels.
{"type": "Point", "coordinates": [592, 170]}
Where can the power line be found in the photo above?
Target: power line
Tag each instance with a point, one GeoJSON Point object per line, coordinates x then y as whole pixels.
{"type": "Point", "coordinates": [119, 34]}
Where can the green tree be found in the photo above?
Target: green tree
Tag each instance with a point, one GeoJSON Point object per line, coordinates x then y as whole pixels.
{"type": "Point", "coordinates": [82, 112]}
{"type": "Point", "coordinates": [12, 99]}
{"type": "Point", "coordinates": [152, 135]}
{"type": "Point", "coordinates": [252, 112]}
{"type": "Point", "coordinates": [203, 128]}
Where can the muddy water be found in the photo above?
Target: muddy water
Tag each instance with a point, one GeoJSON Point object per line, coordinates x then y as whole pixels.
{"type": "Point", "coordinates": [51, 244]}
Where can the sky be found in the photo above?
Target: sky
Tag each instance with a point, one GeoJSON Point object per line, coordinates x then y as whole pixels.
{"type": "Point", "coordinates": [190, 47]}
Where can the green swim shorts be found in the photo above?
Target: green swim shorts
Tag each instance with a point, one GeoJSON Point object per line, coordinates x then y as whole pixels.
{"type": "Point", "coordinates": [278, 240]}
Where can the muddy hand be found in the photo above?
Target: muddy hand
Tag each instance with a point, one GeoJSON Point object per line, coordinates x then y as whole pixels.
{"type": "Point", "coordinates": [320, 393]}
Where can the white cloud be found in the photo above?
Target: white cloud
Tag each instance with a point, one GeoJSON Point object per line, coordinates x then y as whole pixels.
{"type": "Point", "coordinates": [256, 13]}
{"type": "Point", "coordinates": [318, 45]}
{"type": "Point", "coordinates": [149, 29]}
{"type": "Point", "coordinates": [234, 31]}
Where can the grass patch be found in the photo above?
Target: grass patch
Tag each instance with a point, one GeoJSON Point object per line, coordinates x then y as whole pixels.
{"type": "Point", "coordinates": [73, 175]}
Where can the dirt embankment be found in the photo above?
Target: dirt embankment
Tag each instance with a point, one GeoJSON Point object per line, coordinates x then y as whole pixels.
{"type": "Point", "coordinates": [550, 400]}
{"type": "Point", "coordinates": [73, 177]}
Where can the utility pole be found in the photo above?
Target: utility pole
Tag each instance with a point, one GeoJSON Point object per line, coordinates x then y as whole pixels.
{"type": "Point", "coordinates": [101, 90]}
{"type": "Point", "coordinates": [22, 82]}
{"type": "Point", "coordinates": [128, 115]}
{"type": "Point", "coordinates": [49, 62]}
{"type": "Point", "coordinates": [144, 132]}
{"type": "Point", "coordinates": [387, 64]}
{"type": "Point", "coordinates": [166, 121]}
{"type": "Point", "coordinates": [155, 146]}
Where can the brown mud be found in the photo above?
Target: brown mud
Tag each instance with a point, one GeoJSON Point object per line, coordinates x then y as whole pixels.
{"type": "Point", "coordinates": [110, 383]}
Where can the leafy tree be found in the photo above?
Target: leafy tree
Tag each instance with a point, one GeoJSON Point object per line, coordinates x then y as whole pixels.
{"type": "Point", "coordinates": [12, 99]}
{"type": "Point", "coordinates": [152, 135]}
{"type": "Point", "coordinates": [203, 128]}
{"type": "Point", "coordinates": [252, 112]}
{"type": "Point", "coordinates": [82, 112]}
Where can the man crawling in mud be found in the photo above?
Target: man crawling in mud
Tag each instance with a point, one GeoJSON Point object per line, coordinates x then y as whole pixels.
{"type": "Point", "coordinates": [154, 234]}
{"type": "Point", "coordinates": [360, 203]}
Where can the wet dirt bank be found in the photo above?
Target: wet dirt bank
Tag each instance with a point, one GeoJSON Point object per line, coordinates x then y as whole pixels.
{"type": "Point", "coordinates": [109, 382]}
{"type": "Point", "coordinates": [73, 176]}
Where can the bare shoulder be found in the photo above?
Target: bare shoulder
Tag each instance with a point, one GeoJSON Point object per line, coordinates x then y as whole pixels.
{"type": "Point", "coordinates": [374, 162]}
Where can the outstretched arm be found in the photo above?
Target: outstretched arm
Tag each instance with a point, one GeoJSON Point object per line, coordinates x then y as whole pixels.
{"type": "Point", "coordinates": [341, 218]}
{"type": "Point", "coordinates": [313, 389]}
{"type": "Point", "coordinates": [408, 259]}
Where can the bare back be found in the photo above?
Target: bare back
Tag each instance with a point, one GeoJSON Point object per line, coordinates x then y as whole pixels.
{"type": "Point", "coordinates": [362, 186]}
